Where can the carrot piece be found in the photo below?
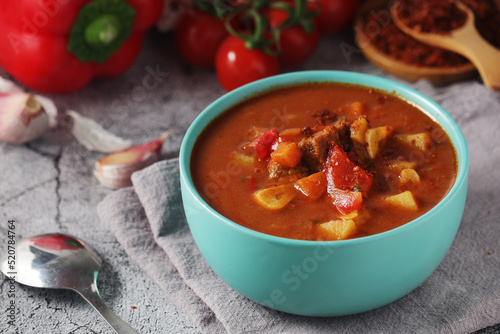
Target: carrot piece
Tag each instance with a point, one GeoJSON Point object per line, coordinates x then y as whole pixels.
{"type": "Point", "coordinates": [355, 109]}
{"type": "Point", "coordinates": [312, 186]}
{"type": "Point", "coordinates": [286, 154]}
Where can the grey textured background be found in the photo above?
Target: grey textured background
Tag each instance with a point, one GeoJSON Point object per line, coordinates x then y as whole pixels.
{"type": "Point", "coordinates": [48, 185]}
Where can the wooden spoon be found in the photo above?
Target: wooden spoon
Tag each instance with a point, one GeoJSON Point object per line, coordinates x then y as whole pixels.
{"type": "Point", "coordinates": [464, 40]}
{"type": "Point", "coordinates": [411, 72]}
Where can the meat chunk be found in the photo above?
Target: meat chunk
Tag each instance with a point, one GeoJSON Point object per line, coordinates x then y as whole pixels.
{"type": "Point", "coordinates": [357, 153]}
{"type": "Point", "coordinates": [284, 174]}
{"type": "Point", "coordinates": [315, 148]}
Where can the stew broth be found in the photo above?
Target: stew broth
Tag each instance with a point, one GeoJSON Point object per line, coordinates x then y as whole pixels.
{"type": "Point", "coordinates": [230, 167]}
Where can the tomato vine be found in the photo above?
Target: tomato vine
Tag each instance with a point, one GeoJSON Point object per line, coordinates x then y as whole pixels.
{"type": "Point", "coordinates": [246, 40]}
{"type": "Point", "coordinates": [253, 23]}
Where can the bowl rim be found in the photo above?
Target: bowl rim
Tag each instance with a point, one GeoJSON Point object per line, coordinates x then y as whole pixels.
{"type": "Point", "coordinates": [226, 101]}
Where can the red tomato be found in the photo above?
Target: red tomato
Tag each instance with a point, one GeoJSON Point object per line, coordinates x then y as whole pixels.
{"type": "Point", "coordinates": [335, 15]}
{"type": "Point", "coordinates": [198, 36]}
{"type": "Point", "coordinates": [296, 44]}
{"type": "Point", "coordinates": [237, 65]}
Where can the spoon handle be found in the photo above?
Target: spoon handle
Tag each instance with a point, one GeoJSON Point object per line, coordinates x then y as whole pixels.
{"type": "Point", "coordinates": [465, 40]}
{"type": "Point", "coordinates": [92, 297]}
{"type": "Point", "coordinates": [482, 54]}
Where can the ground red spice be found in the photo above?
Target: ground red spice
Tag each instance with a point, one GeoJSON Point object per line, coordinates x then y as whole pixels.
{"type": "Point", "coordinates": [386, 36]}
{"type": "Point", "coordinates": [324, 116]}
{"type": "Point", "coordinates": [431, 16]}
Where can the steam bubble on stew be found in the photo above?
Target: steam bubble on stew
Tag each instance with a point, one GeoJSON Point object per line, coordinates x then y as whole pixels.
{"type": "Point", "coordinates": [323, 161]}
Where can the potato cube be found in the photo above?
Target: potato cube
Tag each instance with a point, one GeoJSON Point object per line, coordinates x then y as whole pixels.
{"type": "Point", "coordinates": [337, 229]}
{"type": "Point", "coordinates": [359, 216]}
{"type": "Point", "coordinates": [358, 130]}
{"type": "Point", "coordinates": [398, 166]}
{"type": "Point", "coordinates": [420, 141]}
{"type": "Point", "coordinates": [375, 138]}
{"type": "Point", "coordinates": [350, 215]}
{"type": "Point", "coordinates": [255, 132]}
{"type": "Point", "coordinates": [405, 201]}
{"type": "Point", "coordinates": [243, 159]}
{"type": "Point", "coordinates": [408, 176]}
{"type": "Point", "coordinates": [275, 198]}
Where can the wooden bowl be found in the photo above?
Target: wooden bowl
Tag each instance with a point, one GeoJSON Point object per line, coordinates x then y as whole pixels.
{"type": "Point", "coordinates": [436, 75]}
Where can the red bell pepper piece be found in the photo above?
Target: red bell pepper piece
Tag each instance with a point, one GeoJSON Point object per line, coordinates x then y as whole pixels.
{"type": "Point", "coordinates": [346, 201]}
{"type": "Point", "coordinates": [58, 46]}
{"type": "Point", "coordinates": [346, 181]}
{"type": "Point", "coordinates": [263, 144]}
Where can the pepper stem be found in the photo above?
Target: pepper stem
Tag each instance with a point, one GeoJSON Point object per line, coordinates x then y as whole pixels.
{"type": "Point", "coordinates": [102, 31]}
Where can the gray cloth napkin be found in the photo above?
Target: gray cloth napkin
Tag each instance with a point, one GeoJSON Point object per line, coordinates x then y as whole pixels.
{"type": "Point", "coordinates": [461, 296]}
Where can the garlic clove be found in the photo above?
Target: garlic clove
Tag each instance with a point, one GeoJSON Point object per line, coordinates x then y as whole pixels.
{"type": "Point", "coordinates": [115, 169]}
{"type": "Point", "coordinates": [22, 118]}
{"type": "Point", "coordinates": [50, 109]}
{"type": "Point", "coordinates": [94, 137]}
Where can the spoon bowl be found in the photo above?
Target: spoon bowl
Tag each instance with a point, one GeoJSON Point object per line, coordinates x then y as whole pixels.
{"type": "Point", "coordinates": [58, 261]}
{"type": "Point", "coordinates": [465, 40]}
{"type": "Point", "coordinates": [436, 75]}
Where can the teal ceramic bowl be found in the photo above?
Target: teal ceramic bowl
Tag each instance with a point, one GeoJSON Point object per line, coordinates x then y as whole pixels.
{"type": "Point", "coordinates": [327, 278]}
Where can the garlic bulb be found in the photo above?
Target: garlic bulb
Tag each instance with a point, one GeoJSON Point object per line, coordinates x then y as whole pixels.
{"type": "Point", "coordinates": [8, 87]}
{"type": "Point", "coordinates": [22, 118]}
{"type": "Point", "coordinates": [115, 169]}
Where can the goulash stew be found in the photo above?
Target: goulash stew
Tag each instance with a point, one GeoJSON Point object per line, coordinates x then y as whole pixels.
{"type": "Point", "coordinates": [323, 161]}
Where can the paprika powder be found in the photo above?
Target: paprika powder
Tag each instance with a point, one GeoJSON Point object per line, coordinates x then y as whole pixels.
{"type": "Point", "coordinates": [431, 16]}
{"type": "Point", "coordinates": [402, 47]}
{"type": "Point", "coordinates": [59, 46]}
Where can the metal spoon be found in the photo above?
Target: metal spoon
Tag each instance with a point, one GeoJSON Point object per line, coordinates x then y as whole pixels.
{"type": "Point", "coordinates": [59, 261]}
{"type": "Point", "coordinates": [464, 40]}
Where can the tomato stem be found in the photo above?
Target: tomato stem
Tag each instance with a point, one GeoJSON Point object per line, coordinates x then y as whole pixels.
{"type": "Point", "coordinates": [258, 34]}
{"type": "Point", "coordinates": [255, 39]}
{"type": "Point", "coordinates": [298, 15]}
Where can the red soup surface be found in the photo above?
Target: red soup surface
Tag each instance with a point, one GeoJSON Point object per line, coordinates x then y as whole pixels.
{"type": "Point", "coordinates": [323, 161]}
